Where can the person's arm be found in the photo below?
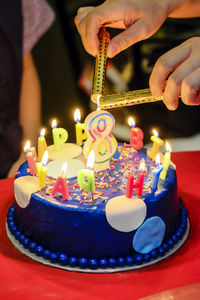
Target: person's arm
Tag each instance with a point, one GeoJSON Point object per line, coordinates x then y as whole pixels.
{"type": "Point", "coordinates": [29, 108]}
{"type": "Point", "coordinates": [139, 18]}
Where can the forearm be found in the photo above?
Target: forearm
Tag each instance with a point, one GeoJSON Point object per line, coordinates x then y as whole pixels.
{"type": "Point", "coordinates": [30, 102]}
{"type": "Point", "coordinates": [184, 8]}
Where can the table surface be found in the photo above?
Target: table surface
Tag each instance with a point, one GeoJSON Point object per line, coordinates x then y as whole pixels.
{"type": "Point", "coordinates": [22, 278]}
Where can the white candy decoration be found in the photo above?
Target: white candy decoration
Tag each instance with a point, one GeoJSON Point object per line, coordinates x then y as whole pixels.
{"type": "Point", "coordinates": [99, 126]}
{"type": "Point", "coordinates": [23, 188]}
{"type": "Point", "coordinates": [125, 214]}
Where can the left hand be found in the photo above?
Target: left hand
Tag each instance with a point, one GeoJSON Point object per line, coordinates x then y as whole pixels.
{"type": "Point", "coordinates": [13, 170]}
{"type": "Point", "coordinates": [182, 65]}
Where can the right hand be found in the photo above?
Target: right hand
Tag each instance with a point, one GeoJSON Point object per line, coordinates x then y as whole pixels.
{"type": "Point", "coordinates": [139, 18]}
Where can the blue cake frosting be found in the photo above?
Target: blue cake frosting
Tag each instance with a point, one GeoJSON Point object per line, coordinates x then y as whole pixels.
{"type": "Point", "coordinates": [78, 229]}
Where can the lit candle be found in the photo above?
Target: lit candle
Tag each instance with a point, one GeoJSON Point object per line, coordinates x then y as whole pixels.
{"type": "Point", "coordinates": [42, 145]}
{"type": "Point", "coordinates": [136, 136]}
{"type": "Point", "coordinates": [31, 157]}
{"type": "Point", "coordinates": [157, 142]}
{"type": "Point", "coordinates": [86, 176]}
{"type": "Point", "coordinates": [99, 126]}
{"type": "Point", "coordinates": [42, 170]}
{"type": "Point", "coordinates": [61, 183]}
{"type": "Point", "coordinates": [156, 173]}
{"type": "Point", "coordinates": [138, 184]}
{"type": "Point", "coordinates": [60, 135]}
{"type": "Point", "coordinates": [166, 161]}
{"type": "Point", "coordinates": [81, 135]}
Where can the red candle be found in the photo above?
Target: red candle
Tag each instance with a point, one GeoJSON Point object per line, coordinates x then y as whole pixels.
{"type": "Point", "coordinates": [31, 157]}
{"type": "Point", "coordinates": [138, 184]}
{"type": "Point", "coordinates": [136, 138]}
{"type": "Point", "coordinates": [61, 184]}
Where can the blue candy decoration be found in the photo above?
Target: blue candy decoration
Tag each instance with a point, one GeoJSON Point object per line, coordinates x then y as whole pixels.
{"type": "Point", "coordinates": [154, 253]}
{"type": "Point", "coordinates": [150, 235]}
{"type": "Point", "coordinates": [17, 235]}
{"type": "Point", "coordinates": [39, 250]}
{"type": "Point", "coordinates": [103, 263]}
{"type": "Point", "coordinates": [170, 243]}
{"type": "Point", "coordinates": [46, 253]}
{"type": "Point", "coordinates": [161, 251]}
{"type": "Point", "coordinates": [73, 261]}
{"type": "Point", "coordinates": [54, 257]}
{"type": "Point", "coordinates": [83, 262]}
{"type": "Point", "coordinates": [121, 261]}
{"type": "Point", "coordinates": [138, 259]}
{"type": "Point", "coordinates": [26, 242]}
{"type": "Point", "coordinates": [146, 257]}
{"type": "Point", "coordinates": [93, 263]}
{"type": "Point", "coordinates": [21, 238]}
{"type": "Point", "coordinates": [112, 262]}
{"type": "Point", "coordinates": [129, 260]}
{"type": "Point", "coordinates": [32, 246]}
{"type": "Point", "coordinates": [63, 259]}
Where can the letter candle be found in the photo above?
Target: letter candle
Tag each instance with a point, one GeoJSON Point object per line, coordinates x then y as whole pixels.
{"type": "Point", "coordinates": [166, 161]}
{"type": "Point", "coordinates": [86, 176]}
{"type": "Point", "coordinates": [60, 135]}
{"type": "Point", "coordinates": [42, 145]}
{"type": "Point", "coordinates": [81, 135]}
{"type": "Point", "coordinates": [138, 184]}
{"type": "Point", "coordinates": [61, 183]}
{"type": "Point", "coordinates": [156, 173]}
{"type": "Point", "coordinates": [157, 142]}
{"type": "Point", "coordinates": [136, 136]}
{"type": "Point", "coordinates": [42, 170]}
{"type": "Point", "coordinates": [31, 157]}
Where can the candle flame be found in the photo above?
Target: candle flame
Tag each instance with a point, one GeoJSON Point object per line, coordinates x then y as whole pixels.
{"type": "Point", "coordinates": [77, 115]}
{"type": "Point", "coordinates": [27, 146]}
{"type": "Point", "coordinates": [42, 132]}
{"type": "Point", "coordinates": [54, 124]}
{"type": "Point", "coordinates": [155, 132]}
{"type": "Point", "coordinates": [44, 158]}
{"type": "Point", "coordinates": [157, 159]}
{"type": "Point", "coordinates": [142, 166]}
{"type": "Point", "coordinates": [168, 147]}
{"type": "Point", "coordinates": [131, 122]}
{"type": "Point", "coordinates": [90, 161]}
{"type": "Point", "coordinates": [64, 168]}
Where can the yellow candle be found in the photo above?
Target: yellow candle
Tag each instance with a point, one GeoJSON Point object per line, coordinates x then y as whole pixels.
{"type": "Point", "coordinates": [42, 145]}
{"type": "Point", "coordinates": [157, 142]}
{"type": "Point", "coordinates": [60, 135]}
{"type": "Point", "coordinates": [166, 161]}
{"type": "Point", "coordinates": [42, 170]}
{"type": "Point", "coordinates": [81, 135]}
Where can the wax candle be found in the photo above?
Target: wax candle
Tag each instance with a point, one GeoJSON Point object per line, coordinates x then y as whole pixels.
{"type": "Point", "coordinates": [86, 176]}
{"type": "Point", "coordinates": [42, 145]}
{"type": "Point", "coordinates": [156, 173]}
{"type": "Point", "coordinates": [31, 157]}
{"type": "Point", "coordinates": [166, 161]}
{"type": "Point", "coordinates": [61, 183]}
{"type": "Point", "coordinates": [136, 137]}
{"type": "Point", "coordinates": [99, 126]}
{"type": "Point", "coordinates": [138, 184]}
{"type": "Point", "coordinates": [81, 135]}
{"type": "Point", "coordinates": [60, 135]}
{"type": "Point", "coordinates": [157, 142]}
{"type": "Point", "coordinates": [42, 170]}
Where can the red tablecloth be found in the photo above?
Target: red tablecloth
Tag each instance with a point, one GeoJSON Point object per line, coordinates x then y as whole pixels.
{"type": "Point", "coordinates": [22, 278]}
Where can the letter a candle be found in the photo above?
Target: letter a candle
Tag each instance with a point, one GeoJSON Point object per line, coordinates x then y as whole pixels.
{"type": "Point", "coordinates": [86, 176]}
{"type": "Point", "coordinates": [61, 184]}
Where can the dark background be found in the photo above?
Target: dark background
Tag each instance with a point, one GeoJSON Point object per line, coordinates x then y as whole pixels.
{"type": "Point", "coordinates": [60, 59]}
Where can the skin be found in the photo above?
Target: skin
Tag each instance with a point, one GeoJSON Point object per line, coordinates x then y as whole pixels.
{"type": "Point", "coordinates": [140, 19]}
{"type": "Point", "coordinates": [30, 109]}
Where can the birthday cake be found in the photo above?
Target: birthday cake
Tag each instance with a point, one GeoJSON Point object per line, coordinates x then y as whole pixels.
{"type": "Point", "coordinates": [123, 221]}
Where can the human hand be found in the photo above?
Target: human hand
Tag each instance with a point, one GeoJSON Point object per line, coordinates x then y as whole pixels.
{"type": "Point", "coordinates": [13, 170]}
{"type": "Point", "coordinates": [182, 65]}
{"type": "Point", "coordinates": [139, 18]}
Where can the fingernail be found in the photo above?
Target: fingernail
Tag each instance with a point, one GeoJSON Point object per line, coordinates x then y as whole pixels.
{"type": "Point", "coordinates": [111, 51]}
{"type": "Point", "coordinates": [170, 107]}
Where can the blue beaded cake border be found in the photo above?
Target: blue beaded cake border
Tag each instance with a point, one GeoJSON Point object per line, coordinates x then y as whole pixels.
{"type": "Point", "coordinates": [103, 263]}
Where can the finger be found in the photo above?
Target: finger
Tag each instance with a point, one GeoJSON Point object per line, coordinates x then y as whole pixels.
{"type": "Point", "coordinates": [82, 13]}
{"type": "Point", "coordinates": [174, 82]}
{"type": "Point", "coordinates": [165, 65]}
{"type": "Point", "coordinates": [138, 31]}
{"type": "Point", "coordinates": [190, 89]}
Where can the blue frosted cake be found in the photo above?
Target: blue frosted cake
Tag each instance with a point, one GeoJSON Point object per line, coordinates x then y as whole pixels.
{"type": "Point", "coordinates": [114, 232]}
